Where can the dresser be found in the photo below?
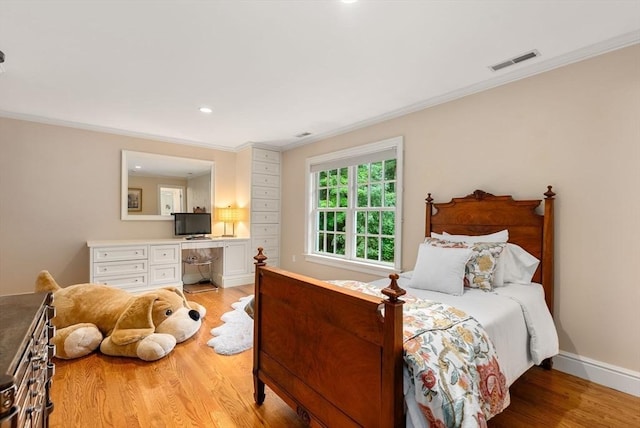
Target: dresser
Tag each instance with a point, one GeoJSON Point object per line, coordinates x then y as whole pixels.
{"type": "Point", "coordinates": [265, 204]}
{"type": "Point", "coordinates": [26, 359]}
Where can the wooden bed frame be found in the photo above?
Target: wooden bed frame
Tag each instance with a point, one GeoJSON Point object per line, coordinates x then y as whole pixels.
{"type": "Point", "coordinates": [329, 352]}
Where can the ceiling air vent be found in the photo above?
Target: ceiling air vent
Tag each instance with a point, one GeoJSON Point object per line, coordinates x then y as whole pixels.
{"type": "Point", "coordinates": [534, 53]}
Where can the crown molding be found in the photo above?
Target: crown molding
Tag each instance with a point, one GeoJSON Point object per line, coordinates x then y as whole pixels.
{"type": "Point", "coordinates": [542, 66]}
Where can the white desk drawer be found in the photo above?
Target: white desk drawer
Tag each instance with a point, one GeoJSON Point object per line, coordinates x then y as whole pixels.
{"type": "Point", "coordinates": [265, 205]}
{"type": "Point", "coordinates": [266, 155]}
{"type": "Point", "coordinates": [259, 230]}
{"type": "Point", "coordinates": [112, 254]}
{"type": "Point", "coordinates": [164, 254]}
{"type": "Point", "coordinates": [265, 217]}
{"type": "Point", "coordinates": [124, 281]}
{"type": "Point", "coordinates": [266, 168]}
{"type": "Point", "coordinates": [195, 244]}
{"type": "Point", "coordinates": [119, 268]}
{"type": "Point", "coordinates": [265, 192]}
{"type": "Point", "coordinates": [163, 274]}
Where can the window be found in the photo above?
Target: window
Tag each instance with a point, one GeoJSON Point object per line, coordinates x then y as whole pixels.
{"type": "Point", "coordinates": [354, 203]}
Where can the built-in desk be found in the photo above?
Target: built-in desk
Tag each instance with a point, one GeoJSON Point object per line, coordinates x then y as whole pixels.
{"type": "Point", "coordinates": [139, 265]}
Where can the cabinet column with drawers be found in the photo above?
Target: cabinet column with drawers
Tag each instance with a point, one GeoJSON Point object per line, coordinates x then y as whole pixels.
{"type": "Point", "coordinates": [265, 204]}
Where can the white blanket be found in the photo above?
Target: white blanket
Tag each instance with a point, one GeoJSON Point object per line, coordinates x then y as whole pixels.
{"type": "Point", "coordinates": [543, 337]}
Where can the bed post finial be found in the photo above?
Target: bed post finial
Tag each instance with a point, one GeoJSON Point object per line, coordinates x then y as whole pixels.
{"type": "Point", "coordinates": [393, 291]}
{"type": "Point", "coordinates": [549, 193]}
{"type": "Point", "coordinates": [428, 214]}
{"type": "Point", "coordinates": [260, 258]}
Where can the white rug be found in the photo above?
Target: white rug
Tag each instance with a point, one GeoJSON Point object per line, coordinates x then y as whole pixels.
{"type": "Point", "coordinates": [236, 334]}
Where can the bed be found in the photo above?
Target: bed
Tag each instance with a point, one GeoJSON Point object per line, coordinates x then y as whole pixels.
{"type": "Point", "coordinates": [341, 363]}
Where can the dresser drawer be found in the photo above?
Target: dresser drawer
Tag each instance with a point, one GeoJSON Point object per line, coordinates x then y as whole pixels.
{"type": "Point", "coordinates": [164, 274]}
{"type": "Point", "coordinates": [265, 205]}
{"type": "Point", "coordinates": [112, 254]}
{"type": "Point", "coordinates": [163, 254]}
{"type": "Point", "coordinates": [124, 281]}
{"type": "Point", "coordinates": [265, 217]}
{"type": "Point", "coordinates": [266, 180]}
{"type": "Point", "coordinates": [266, 155]}
{"type": "Point", "coordinates": [266, 168]}
{"type": "Point", "coordinates": [265, 192]}
{"type": "Point", "coordinates": [119, 268]}
{"type": "Point", "coordinates": [259, 230]}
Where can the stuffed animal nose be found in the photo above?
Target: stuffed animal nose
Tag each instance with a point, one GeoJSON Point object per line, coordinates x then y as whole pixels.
{"type": "Point", "coordinates": [194, 315]}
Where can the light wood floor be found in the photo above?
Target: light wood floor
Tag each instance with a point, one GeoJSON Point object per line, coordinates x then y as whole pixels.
{"type": "Point", "coordinates": [195, 387]}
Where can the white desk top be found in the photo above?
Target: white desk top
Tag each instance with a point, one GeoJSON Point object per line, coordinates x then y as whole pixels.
{"type": "Point", "coordinates": [213, 241]}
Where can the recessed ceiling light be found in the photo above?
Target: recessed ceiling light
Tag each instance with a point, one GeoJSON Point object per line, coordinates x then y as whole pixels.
{"type": "Point", "coordinates": [205, 110]}
{"type": "Point", "coordinates": [349, 1]}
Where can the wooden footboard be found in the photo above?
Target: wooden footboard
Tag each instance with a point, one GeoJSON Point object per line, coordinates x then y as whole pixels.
{"type": "Point", "coordinates": [332, 354]}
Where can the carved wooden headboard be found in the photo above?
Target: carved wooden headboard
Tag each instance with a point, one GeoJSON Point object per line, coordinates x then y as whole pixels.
{"type": "Point", "coordinates": [481, 213]}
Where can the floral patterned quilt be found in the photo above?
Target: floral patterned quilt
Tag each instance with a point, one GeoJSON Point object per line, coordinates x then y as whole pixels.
{"type": "Point", "coordinates": [451, 361]}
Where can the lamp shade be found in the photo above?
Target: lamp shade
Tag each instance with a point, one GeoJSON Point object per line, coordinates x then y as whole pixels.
{"type": "Point", "coordinates": [228, 215]}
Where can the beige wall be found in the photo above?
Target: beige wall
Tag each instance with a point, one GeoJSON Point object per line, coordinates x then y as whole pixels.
{"type": "Point", "coordinates": [60, 187]}
{"type": "Point", "coordinates": [577, 128]}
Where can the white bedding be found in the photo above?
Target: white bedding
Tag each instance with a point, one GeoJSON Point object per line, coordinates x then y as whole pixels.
{"type": "Point", "coordinates": [516, 318]}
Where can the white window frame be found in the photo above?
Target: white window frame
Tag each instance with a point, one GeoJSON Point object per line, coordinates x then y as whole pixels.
{"type": "Point", "coordinates": [357, 155]}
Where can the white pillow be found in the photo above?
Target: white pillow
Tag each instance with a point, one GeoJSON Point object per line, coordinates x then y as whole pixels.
{"type": "Point", "coordinates": [502, 236]}
{"type": "Point", "coordinates": [515, 265]}
{"type": "Point", "coordinates": [518, 265]}
{"type": "Point", "coordinates": [440, 269]}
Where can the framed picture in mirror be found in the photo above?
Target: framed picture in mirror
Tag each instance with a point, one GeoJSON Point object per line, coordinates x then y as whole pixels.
{"type": "Point", "coordinates": [134, 199]}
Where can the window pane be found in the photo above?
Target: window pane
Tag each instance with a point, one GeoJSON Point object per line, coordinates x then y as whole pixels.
{"type": "Point", "coordinates": [321, 224]}
{"type": "Point", "coordinates": [322, 198]}
{"type": "Point", "coordinates": [330, 237]}
{"type": "Point", "coordinates": [321, 242]}
{"type": "Point", "coordinates": [343, 197]}
{"type": "Point", "coordinates": [322, 178]}
{"type": "Point", "coordinates": [361, 221]}
{"type": "Point", "coordinates": [360, 244]}
{"type": "Point", "coordinates": [333, 197]}
{"type": "Point", "coordinates": [363, 196]}
{"type": "Point", "coordinates": [376, 171]}
{"type": "Point", "coordinates": [388, 249]}
{"type": "Point", "coordinates": [388, 223]}
{"type": "Point", "coordinates": [390, 169]}
{"type": "Point", "coordinates": [330, 221]}
{"type": "Point", "coordinates": [390, 194]}
{"type": "Point", "coordinates": [340, 245]}
{"type": "Point", "coordinates": [363, 173]}
{"type": "Point", "coordinates": [333, 177]}
{"type": "Point", "coordinates": [373, 223]}
{"type": "Point", "coordinates": [344, 176]}
{"type": "Point", "coordinates": [341, 221]}
{"type": "Point", "coordinates": [372, 248]}
{"type": "Point", "coordinates": [376, 195]}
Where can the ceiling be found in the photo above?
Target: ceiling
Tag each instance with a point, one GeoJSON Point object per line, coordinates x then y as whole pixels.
{"type": "Point", "coordinates": [271, 70]}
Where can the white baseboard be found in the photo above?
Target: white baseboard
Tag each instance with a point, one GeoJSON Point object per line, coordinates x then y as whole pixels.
{"type": "Point", "coordinates": [608, 375]}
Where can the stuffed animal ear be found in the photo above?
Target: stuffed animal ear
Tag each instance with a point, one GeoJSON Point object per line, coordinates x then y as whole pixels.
{"type": "Point", "coordinates": [45, 282]}
{"type": "Point", "coordinates": [136, 321]}
{"type": "Point", "coordinates": [179, 293]}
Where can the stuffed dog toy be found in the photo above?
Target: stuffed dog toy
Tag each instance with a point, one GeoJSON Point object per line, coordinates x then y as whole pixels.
{"type": "Point", "coordinates": [146, 326]}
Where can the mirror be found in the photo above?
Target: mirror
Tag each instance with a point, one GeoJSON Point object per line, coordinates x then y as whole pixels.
{"type": "Point", "coordinates": [154, 186]}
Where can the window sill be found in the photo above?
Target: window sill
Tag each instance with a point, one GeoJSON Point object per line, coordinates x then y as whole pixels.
{"type": "Point", "coordinates": [369, 268]}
